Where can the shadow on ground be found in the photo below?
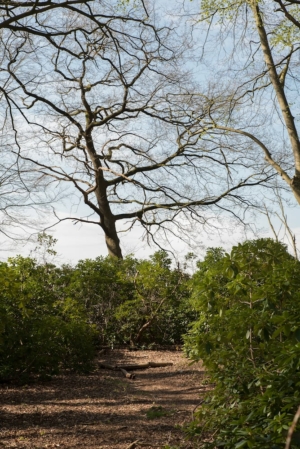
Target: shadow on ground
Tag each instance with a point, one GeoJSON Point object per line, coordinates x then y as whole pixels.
{"type": "Point", "coordinates": [104, 410]}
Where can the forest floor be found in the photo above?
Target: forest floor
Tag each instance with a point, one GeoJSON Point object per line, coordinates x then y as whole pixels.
{"type": "Point", "coordinates": [104, 410]}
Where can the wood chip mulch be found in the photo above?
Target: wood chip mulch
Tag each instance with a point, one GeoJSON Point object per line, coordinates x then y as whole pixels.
{"type": "Point", "coordinates": [104, 410]}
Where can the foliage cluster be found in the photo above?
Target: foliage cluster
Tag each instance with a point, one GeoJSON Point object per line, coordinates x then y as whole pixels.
{"type": "Point", "coordinates": [138, 302]}
{"type": "Point", "coordinates": [53, 317]}
{"type": "Point", "coordinates": [248, 335]}
{"type": "Point", "coordinates": [246, 328]}
{"type": "Point", "coordinates": [41, 329]}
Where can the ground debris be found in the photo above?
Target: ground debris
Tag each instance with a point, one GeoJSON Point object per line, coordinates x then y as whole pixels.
{"type": "Point", "coordinates": [103, 409]}
{"type": "Point", "coordinates": [125, 368]}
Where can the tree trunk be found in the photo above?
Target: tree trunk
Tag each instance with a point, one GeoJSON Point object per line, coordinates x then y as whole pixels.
{"type": "Point", "coordinates": [107, 218]}
{"type": "Point", "coordinates": [113, 243]}
{"type": "Point", "coordinates": [281, 97]}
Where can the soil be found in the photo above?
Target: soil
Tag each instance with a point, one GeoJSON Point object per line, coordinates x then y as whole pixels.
{"type": "Point", "coordinates": [104, 409]}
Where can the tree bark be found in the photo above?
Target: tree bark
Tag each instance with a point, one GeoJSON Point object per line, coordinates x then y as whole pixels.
{"type": "Point", "coordinates": [107, 219]}
{"type": "Point", "coordinates": [281, 97]}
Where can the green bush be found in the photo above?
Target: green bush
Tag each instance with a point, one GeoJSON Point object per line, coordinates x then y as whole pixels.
{"type": "Point", "coordinates": [41, 329]}
{"type": "Point", "coordinates": [248, 336]}
{"type": "Point", "coordinates": [141, 302]}
{"type": "Point", "coordinates": [101, 286]}
{"type": "Point", "coordinates": [51, 317]}
{"type": "Point", "coordinates": [158, 311]}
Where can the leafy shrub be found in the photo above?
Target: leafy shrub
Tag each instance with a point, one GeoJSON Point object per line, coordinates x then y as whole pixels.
{"type": "Point", "coordinates": [141, 302]}
{"type": "Point", "coordinates": [158, 311]}
{"type": "Point", "coordinates": [248, 335]}
{"type": "Point", "coordinates": [42, 330]}
{"type": "Point", "coordinates": [101, 286]}
{"type": "Point", "coordinates": [50, 317]}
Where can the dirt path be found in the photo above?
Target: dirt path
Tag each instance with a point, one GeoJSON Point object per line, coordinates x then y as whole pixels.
{"type": "Point", "coordinates": [104, 409]}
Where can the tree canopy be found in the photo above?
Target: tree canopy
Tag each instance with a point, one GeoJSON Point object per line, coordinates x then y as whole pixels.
{"type": "Point", "coordinates": [99, 97]}
{"type": "Point", "coordinates": [107, 105]}
{"type": "Point", "coordinates": [264, 44]}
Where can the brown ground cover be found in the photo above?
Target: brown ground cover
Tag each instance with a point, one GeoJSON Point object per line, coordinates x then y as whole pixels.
{"type": "Point", "coordinates": [104, 409]}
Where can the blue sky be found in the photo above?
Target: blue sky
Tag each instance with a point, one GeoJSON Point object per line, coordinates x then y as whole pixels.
{"type": "Point", "coordinates": [86, 241]}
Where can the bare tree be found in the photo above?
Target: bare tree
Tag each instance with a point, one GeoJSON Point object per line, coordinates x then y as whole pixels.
{"type": "Point", "coordinates": [258, 53]}
{"type": "Point", "coordinates": [16, 15]}
{"type": "Point", "coordinates": [282, 231]}
{"type": "Point", "coordinates": [24, 198]}
{"type": "Point", "coordinates": [278, 83]}
{"type": "Point", "coordinates": [107, 109]}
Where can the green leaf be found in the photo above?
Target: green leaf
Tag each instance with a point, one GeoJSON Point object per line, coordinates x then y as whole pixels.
{"type": "Point", "coordinates": [208, 347]}
{"type": "Point", "coordinates": [287, 329]}
{"type": "Point", "coordinates": [297, 334]}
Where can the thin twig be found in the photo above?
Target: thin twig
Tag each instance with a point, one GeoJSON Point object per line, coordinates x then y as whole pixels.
{"type": "Point", "coordinates": [195, 408]}
{"type": "Point", "coordinates": [291, 429]}
{"type": "Point", "coordinates": [132, 445]}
